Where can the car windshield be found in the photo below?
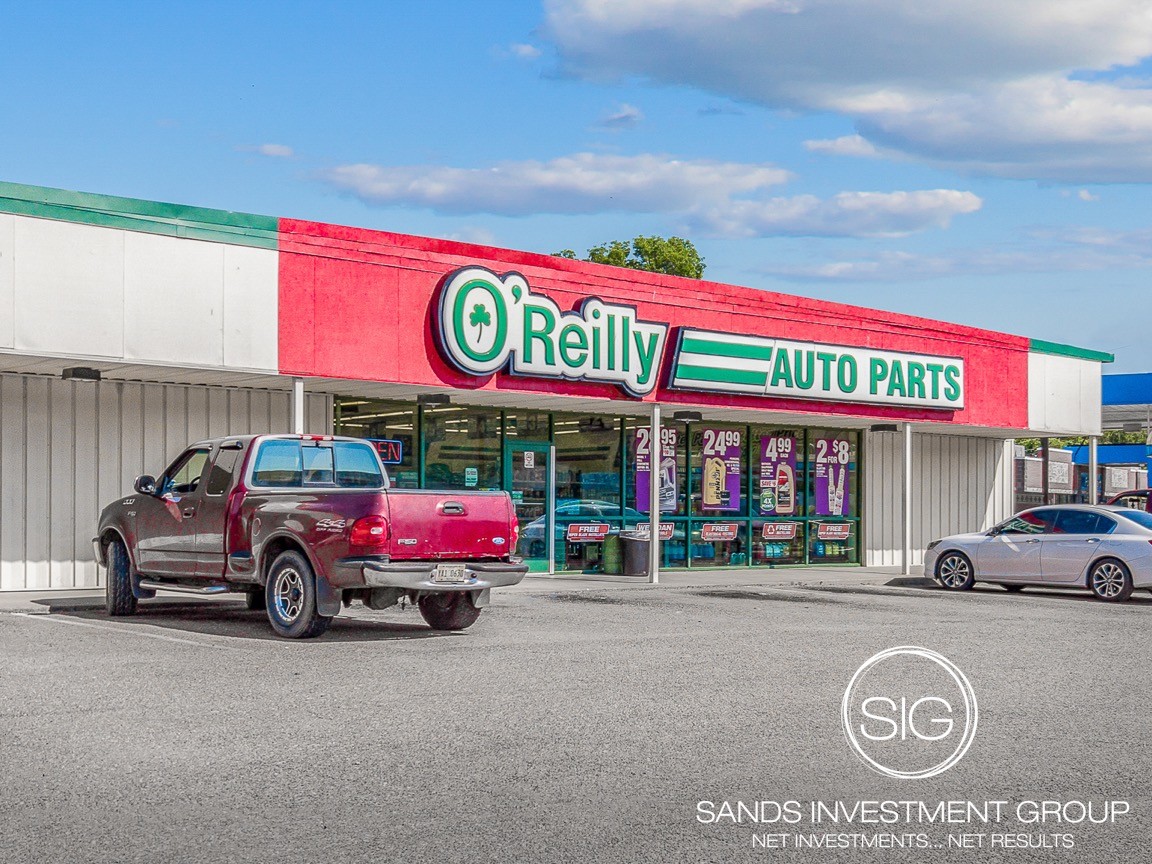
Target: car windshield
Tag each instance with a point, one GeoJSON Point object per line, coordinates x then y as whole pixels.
{"type": "Point", "coordinates": [1140, 517]}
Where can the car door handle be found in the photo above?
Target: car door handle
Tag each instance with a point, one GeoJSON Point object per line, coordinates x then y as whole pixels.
{"type": "Point", "coordinates": [189, 512]}
{"type": "Point", "coordinates": [1033, 540]}
{"type": "Point", "coordinates": [1092, 540]}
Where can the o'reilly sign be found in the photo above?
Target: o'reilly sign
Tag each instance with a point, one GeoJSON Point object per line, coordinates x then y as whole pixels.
{"type": "Point", "coordinates": [725, 363]}
{"type": "Point", "coordinates": [489, 322]}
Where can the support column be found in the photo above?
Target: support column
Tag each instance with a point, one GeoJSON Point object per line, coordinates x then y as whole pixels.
{"type": "Point", "coordinates": [655, 456]}
{"type": "Point", "coordinates": [1093, 470]}
{"type": "Point", "coordinates": [906, 502]}
{"type": "Point", "coordinates": [1047, 497]}
{"type": "Point", "coordinates": [550, 517]}
{"type": "Point", "coordinates": [298, 406]}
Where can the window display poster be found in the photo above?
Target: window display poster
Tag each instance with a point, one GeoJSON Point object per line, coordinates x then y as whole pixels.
{"type": "Point", "coordinates": [667, 468]}
{"type": "Point", "coordinates": [777, 475]}
{"type": "Point", "coordinates": [832, 456]}
{"type": "Point", "coordinates": [720, 476]}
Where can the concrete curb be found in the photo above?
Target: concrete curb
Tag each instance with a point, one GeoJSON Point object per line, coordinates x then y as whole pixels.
{"type": "Point", "coordinates": [47, 602]}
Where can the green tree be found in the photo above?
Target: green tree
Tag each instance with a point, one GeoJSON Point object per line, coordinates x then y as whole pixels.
{"type": "Point", "coordinates": [674, 256]}
{"type": "Point", "coordinates": [1110, 436]}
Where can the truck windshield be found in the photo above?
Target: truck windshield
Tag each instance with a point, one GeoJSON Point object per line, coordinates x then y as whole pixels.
{"type": "Point", "coordinates": [283, 463]}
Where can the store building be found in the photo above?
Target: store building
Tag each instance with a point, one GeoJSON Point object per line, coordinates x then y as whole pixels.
{"type": "Point", "coordinates": [791, 430]}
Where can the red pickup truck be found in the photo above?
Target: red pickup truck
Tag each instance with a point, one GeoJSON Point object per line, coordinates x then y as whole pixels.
{"type": "Point", "coordinates": [303, 524]}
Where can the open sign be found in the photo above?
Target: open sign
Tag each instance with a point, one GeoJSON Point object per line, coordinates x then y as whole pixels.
{"type": "Point", "coordinates": [391, 451]}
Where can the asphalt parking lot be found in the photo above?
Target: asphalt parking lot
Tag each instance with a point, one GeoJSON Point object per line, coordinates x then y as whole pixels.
{"type": "Point", "coordinates": [567, 725]}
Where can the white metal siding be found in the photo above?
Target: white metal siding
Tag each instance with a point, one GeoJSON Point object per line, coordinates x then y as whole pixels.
{"type": "Point", "coordinates": [84, 291]}
{"type": "Point", "coordinates": [68, 448]}
{"type": "Point", "coordinates": [959, 484]}
{"type": "Point", "coordinates": [1064, 395]}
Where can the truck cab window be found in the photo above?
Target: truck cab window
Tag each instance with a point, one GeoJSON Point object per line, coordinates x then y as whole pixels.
{"type": "Point", "coordinates": [184, 475]}
{"type": "Point", "coordinates": [220, 477]}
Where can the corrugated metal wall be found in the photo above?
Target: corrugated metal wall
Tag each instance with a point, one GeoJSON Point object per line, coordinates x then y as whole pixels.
{"type": "Point", "coordinates": [959, 483]}
{"type": "Point", "coordinates": [67, 448]}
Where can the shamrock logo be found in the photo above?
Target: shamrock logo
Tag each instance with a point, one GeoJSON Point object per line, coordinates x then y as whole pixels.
{"type": "Point", "coordinates": [479, 318]}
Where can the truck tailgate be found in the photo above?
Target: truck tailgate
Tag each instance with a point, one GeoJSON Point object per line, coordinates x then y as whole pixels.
{"type": "Point", "coordinates": [435, 524]}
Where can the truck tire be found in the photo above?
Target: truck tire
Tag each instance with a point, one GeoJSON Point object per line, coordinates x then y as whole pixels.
{"type": "Point", "coordinates": [454, 611]}
{"type": "Point", "coordinates": [118, 596]}
{"type": "Point", "coordinates": [290, 598]}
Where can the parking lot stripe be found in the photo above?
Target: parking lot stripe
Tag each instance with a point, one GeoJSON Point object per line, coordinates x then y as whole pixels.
{"type": "Point", "coordinates": [56, 619]}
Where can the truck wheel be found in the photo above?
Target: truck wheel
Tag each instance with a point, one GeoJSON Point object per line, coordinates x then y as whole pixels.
{"type": "Point", "coordinates": [290, 598]}
{"type": "Point", "coordinates": [448, 611]}
{"type": "Point", "coordinates": [254, 599]}
{"type": "Point", "coordinates": [118, 596]}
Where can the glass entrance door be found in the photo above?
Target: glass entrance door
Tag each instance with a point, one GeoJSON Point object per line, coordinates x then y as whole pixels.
{"type": "Point", "coordinates": [528, 477]}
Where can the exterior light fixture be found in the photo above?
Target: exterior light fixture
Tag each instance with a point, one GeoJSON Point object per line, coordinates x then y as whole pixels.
{"type": "Point", "coordinates": [433, 400]}
{"type": "Point", "coordinates": [883, 427]}
{"type": "Point", "coordinates": [687, 416]}
{"type": "Point", "coordinates": [80, 373]}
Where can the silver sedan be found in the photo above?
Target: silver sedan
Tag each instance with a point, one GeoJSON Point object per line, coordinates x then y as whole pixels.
{"type": "Point", "coordinates": [1107, 550]}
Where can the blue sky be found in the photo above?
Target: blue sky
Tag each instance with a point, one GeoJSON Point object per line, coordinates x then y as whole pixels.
{"type": "Point", "coordinates": [973, 161]}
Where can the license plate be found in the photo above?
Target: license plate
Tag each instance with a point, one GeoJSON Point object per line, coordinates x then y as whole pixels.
{"type": "Point", "coordinates": [450, 573]}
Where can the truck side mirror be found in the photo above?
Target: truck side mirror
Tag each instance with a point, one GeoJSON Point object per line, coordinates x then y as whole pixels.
{"type": "Point", "coordinates": [145, 484]}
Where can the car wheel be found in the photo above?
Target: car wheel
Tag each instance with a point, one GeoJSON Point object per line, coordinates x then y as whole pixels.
{"type": "Point", "coordinates": [254, 599]}
{"type": "Point", "coordinates": [446, 611]}
{"type": "Point", "coordinates": [290, 598]}
{"type": "Point", "coordinates": [1110, 581]}
{"type": "Point", "coordinates": [955, 572]}
{"type": "Point", "coordinates": [1015, 589]}
{"type": "Point", "coordinates": [118, 596]}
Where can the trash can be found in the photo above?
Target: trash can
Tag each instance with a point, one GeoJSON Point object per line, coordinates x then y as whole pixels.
{"type": "Point", "coordinates": [635, 553]}
{"type": "Point", "coordinates": [612, 556]}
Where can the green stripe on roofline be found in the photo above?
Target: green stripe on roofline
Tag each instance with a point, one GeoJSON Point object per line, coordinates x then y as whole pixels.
{"type": "Point", "coordinates": [150, 217]}
{"type": "Point", "coordinates": [1060, 350]}
{"type": "Point", "coordinates": [721, 376]}
{"type": "Point", "coordinates": [696, 345]}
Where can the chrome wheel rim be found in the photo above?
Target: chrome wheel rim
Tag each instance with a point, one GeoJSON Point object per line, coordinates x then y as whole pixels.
{"type": "Point", "coordinates": [954, 571]}
{"type": "Point", "coordinates": [288, 594]}
{"type": "Point", "coordinates": [1108, 580]}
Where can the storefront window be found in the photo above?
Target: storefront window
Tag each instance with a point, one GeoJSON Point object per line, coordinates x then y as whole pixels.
{"type": "Point", "coordinates": [720, 544]}
{"type": "Point", "coordinates": [777, 541]}
{"type": "Point", "coordinates": [588, 493]}
{"type": "Point", "coordinates": [671, 465]}
{"type": "Point", "coordinates": [526, 425]}
{"type": "Point", "coordinates": [730, 495]}
{"type": "Point", "coordinates": [384, 422]}
{"type": "Point", "coordinates": [719, 479]}
{"type": "Point", "coordinates": [833, 493]}
{"type": "Point", "coordinates": [462, 448]}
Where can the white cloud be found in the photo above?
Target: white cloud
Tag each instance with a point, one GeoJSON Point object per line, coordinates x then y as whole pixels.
{"type": "Point", "coordinates": [719, 198]}
{"type": "Point", "coordinates": [524, 51]}
{"type": "Point", "coordinates": [984, 85]}
{"type": "Point", "coordinates": [1085, 195]}
{"type": "Point", "coordinates": [1082, 249]}
{"type": "Point", "coordinates": [474, 234]}
{"type": "Point", "coordinates": [580, 183]}
{"type": "Point", "coordinates": [848, 214]}
{"type": "Point", "coordinates": [624, 117]}
{"type": "Point", "coordinates": [278, 151]}
{"type": "Point", "coordinates": [846, 145]}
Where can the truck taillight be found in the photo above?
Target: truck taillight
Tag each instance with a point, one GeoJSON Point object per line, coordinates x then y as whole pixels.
{"type": "Point", "coordinates": [515, 535]}
{"type": "Point", "coordinates": [369, 531]}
